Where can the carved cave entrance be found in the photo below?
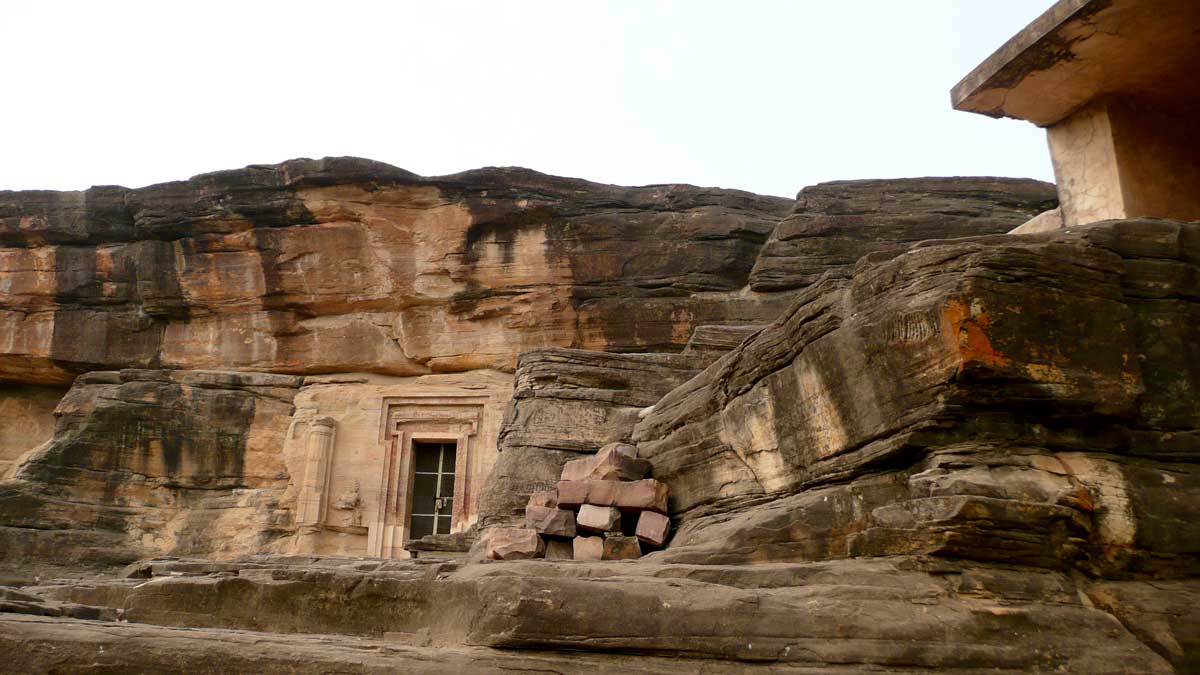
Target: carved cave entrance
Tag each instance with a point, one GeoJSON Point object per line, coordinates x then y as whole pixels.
{"type": "Point", "coordinates": [428, 443]}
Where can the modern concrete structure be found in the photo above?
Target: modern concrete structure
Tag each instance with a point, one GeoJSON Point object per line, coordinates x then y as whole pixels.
{"type": "Point", "coordinates": [1116, 85]}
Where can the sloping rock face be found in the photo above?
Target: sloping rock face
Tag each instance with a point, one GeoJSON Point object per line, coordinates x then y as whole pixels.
{"type": "Point", "coordinates": [1019, 399]}
{"type": "Point", "coordinates": [834, 224]}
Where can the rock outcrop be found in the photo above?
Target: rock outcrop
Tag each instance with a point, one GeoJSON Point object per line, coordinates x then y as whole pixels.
{"type": "Point", "coordinates": [1017, 399]}
{"type": "Point", "coordinates": [145, 461]}
{"type": "Point", "coordinates": [834, 224]}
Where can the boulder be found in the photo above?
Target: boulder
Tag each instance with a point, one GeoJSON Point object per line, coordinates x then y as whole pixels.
{"type": "Point", "coordinates": [993, 398]}
{"type": "Point", "coordinates": [588, 548]}
{"type": "Point", "coordinates": [566, 403]}
{"type": "Point", "coordinates": [834, 224]}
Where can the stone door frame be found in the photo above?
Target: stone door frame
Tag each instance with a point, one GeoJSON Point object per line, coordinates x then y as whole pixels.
{"type": "Point", "coordinates": [406, 419]}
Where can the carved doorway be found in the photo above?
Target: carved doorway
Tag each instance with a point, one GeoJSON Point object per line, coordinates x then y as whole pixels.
{"type": "Point", "coordinates": [433, 488]}
{"type": "Point", "coordinates": [425, 486]}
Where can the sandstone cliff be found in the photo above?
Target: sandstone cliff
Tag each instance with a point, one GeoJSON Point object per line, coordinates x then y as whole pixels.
{"type": "Point", "coordinates": [347, 266]}
{"type": "Point", "coordinates": [895, 439]}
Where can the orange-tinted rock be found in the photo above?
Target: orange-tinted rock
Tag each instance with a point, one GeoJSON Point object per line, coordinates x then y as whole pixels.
{"type": "Point", "coordinates": [345, 264]}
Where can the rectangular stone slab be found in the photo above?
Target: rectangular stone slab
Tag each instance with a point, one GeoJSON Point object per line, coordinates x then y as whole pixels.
{"type": "Point", "coordinates": [560, 549]}
{"type": "Point", "coordinates": [621, 548]}
{"type": "Point", "coordinates": [588, 548]}
{"type": "Point", "coordinates": [653, 528]}
{"type": "Point", "coordinates": [638, 495]}
{"type": "Point", "coordinates": [599, 518]}
{"type": "Point", "coordinates": [513, 543]}
{"type": "Point", "coordinates": [551, 522]}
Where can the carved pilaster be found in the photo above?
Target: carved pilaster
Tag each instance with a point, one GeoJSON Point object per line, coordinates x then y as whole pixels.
{"type": "Point", "coordinates": [318, 450]}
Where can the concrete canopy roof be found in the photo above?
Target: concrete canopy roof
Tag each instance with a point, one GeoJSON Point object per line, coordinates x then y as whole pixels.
{"type": "Point", "coordinates": [1079, 50]}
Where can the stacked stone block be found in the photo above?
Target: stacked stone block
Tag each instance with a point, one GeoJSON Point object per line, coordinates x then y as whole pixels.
{"type": "Point", "coordinates": [604, 508]}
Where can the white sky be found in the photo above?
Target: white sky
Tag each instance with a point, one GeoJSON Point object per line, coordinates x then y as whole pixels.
{"type": "Point", "coordinates": [759, 95]}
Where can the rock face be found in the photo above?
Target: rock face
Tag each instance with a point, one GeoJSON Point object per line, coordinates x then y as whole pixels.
{"type": "Point", "coordinates": [350, 272]}
{"type": "Point", "coordinates": [834, 224]}
{"type": "Point", "coordinates": [1016, 399]}
{"type": "Point", "coordinates": [958, 454]}
{"type": "Point", "coordinates": [28, 421]}
{"type": "Point", "coordinates": [153, 460]}
{"type": "Point", "coordinates": [347, 265]}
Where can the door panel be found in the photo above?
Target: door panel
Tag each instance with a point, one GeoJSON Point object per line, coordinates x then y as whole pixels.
{"type": "Point", "coordinates": [433, 488]}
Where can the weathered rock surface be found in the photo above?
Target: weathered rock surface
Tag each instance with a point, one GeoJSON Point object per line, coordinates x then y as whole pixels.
{"type": "Point", "coordinates": [1022, 399]}
{"type": "Point", "coordinates": [711, 342]}
{"type": "Point", "coordinates": [897, 614]}
{"type": "Point", "coordinates": [26, 421]}
{"type": "Point", "coordinates": [1046, 221]}
{"type": "Point", "coordinates": [551, 522]}
{"type": "Point", "coordinates": [834, 224]}
{"type": "Point", "coordinates": [344, 264]}
{"type": "Point", "coordinates": [653, 528]}
{"type": "Point", "coordinates": [152, 460]}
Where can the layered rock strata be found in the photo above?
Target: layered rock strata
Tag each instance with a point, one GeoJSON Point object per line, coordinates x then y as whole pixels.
{"type": "Point", "coordinates": [1017, 399]}
{"type": "Point", "coordinates": [145, 461]}
{"type": "Point", "coordinates": [348, 265]}
{"type": "Point", "coordinates": [373, 283]}
{"type": "Point", "coordinates": [834, 224]}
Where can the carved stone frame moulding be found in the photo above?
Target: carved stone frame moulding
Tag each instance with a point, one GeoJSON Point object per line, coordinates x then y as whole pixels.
{"type": "Point", "coordinates": [405, 419]}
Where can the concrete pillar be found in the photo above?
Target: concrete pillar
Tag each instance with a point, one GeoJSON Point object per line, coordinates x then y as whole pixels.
{"type": "Point", "coordinates": [1120, 157]}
